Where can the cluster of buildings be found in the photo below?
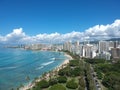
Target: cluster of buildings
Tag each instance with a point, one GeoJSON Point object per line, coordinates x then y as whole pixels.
{"type": "Point", "coordinates": [102, 49]}
{"type": "Point", "coordinates": [37, 47]}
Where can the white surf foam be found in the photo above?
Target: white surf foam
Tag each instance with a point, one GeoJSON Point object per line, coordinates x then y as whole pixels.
{"type": "Point", "coordinates": [47, 63]}
{"type": "Point", "coordinates": [52, 58]}
{"type": "Point", "coordinates": [7, 68]}
{"type": "Point", "coordinates": [39, 68]}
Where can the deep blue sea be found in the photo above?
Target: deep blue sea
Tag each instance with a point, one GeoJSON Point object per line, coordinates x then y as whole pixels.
{"type": "Point", "coordinates": [17, 64]}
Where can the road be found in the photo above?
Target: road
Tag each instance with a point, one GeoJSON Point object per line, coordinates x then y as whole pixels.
{"type": "Point", "coordinates": [96, 81]}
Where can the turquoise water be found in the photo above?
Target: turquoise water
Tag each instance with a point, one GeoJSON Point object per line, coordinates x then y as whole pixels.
{"type": "Point", "coordinates": [17, 64]}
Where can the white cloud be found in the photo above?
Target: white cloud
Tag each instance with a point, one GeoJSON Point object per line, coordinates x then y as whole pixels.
{"type": "Point", "coordinates": [96, 32]}
{"type": "Point", "coordinates": [13, 37]}
{"type": "Point", "coordinates": [104, 31]}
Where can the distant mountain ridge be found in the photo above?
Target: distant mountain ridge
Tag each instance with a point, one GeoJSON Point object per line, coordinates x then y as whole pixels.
{"type": "Point", "coordinates": [113, 39]}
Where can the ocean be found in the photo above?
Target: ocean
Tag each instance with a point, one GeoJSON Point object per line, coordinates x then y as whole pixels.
{"type": "Point", "coordinates": [17, 64]}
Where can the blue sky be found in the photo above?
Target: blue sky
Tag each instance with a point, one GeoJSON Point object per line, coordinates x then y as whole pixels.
{"type": "Point", "coordinates": [62, 16]}
{"type": "Point", "coordinates": [29, 20]}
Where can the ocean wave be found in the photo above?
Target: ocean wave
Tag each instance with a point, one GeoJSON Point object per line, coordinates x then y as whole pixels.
{"type": "Point", "coordinates": [52, 59]}
{"type": "Point", "coordinates": [7, 68]}
{"type": "Point", "coordinates": [39, 68]}
{"type": "Point", "coordinates": [47, 63]}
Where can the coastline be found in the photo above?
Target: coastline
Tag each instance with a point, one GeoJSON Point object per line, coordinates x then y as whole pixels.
{"type": "Point", "coordinates": [62, 65]}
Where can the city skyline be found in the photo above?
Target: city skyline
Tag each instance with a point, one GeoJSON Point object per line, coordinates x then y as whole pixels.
{"type": "Point", "coordinates": [52, 21]}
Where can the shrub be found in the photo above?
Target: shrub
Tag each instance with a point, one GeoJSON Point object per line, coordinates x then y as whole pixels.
{"type": "Point", "coordinates": [36, 88]}
{"type": "Point", "coordinates": [72, 84]}
{"type": "Point", "coordinates": [74, 63]}
{"type": "Point", "coordinates": [82, 82]}
{"type": "Point", "coordinates": [62, 79]}
{"type": "Point", "coordinates": [43, 84]}
{"type": "Point", "coordinates": [75, 71]}
{"type": "Point", "coordinates": [64, 71]}
{"type": "Point", "coordinates": [111, 80]}
{"type": "Point", "coordinates": [53, 81]}
{"type": "Point", "coordinates": [57, 87]}
{"type": "Point", "coordinates": [81, 88]}
{"type": "Point", "coordinates": [99, 75]}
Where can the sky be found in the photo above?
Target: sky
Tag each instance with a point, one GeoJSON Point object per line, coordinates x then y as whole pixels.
{"type": "Point", "coordinates": [52, 20]}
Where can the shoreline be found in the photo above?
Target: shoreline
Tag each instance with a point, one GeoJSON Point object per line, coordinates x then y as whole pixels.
{"type": "Point", "coordinates": [62, 65]}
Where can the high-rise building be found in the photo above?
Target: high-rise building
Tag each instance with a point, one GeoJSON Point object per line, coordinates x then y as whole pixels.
{"type": "Point", "coordinates": [87, 51]}
{"type": "Point", "coordinates": [115, 52]}
{"type": "Point", "coordinates": [105, 55]}
{"type": "Point", "coordinates": [76, 47]}
{"type": "Point", "coordinates": [77, 43]}
{"type": "Point", "coordinates": [67, 46]}
{"type": "Point", "coordinates": [103, 46]}
{"type": "Point", "coordinates": [111, 44]}
{"type": "Point", "coordinates": [116, 43]}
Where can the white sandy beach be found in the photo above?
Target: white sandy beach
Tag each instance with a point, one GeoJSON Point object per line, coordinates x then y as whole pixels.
{"type": "Point", "coordinates": [30, 85]}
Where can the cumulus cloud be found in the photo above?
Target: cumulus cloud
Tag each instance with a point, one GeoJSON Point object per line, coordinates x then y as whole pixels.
{"type": "Point", "coordinates": [96, 32]}
{"type": "Point", "coordinates": [104, 31]}
{"type": "Point", "coordinates": [13, 37]}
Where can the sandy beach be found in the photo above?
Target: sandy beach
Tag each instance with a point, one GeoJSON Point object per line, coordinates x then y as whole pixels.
{"type": "Point", "coordinates": [30, 85]}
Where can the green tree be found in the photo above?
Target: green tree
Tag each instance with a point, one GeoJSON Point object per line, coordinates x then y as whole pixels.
{"type": "Point", "coordinates": [81, 88]}
{"type": "Point", "coordinates": [99, 75]}
{"type": "Point", "coordinates": [82, 82]}
{"type": "Point", "coordinates": [111, 80]}
{"type": "Point", "coordinates": [71, 84]}
{"type": "Point", "coordinates": [53, 81]}
{"type": "Point", "coordinates": [57, 87]}
{"type": "Point", "coordinates": [74, 63]}
{"type": "Point", "coordinates": [43, 84]}
{"type": "Point", "coordinates": [64, 72]}
{"type": "Point", "coordinates": [75, 71]}
{"type": "Point", "coordinates": [62, 79]}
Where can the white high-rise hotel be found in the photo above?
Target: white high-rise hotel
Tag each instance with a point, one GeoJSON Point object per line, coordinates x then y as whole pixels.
{"type": "Point", "coordinates": [103, 46]}
{"type": "Point", "coordinates": [88, 51]}
{"type": "Point", "coordinates": [67, 46]}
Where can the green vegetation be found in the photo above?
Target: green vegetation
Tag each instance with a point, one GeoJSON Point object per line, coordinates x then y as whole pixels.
{"type": "Point", "coordinates": [71, 84]}
{"type": "Point", "coordinates": [74, 63]}
{"type": "Point", "coordinates": [81, 88]}
{"type": "Point", "coordinates": [99, 74]}
{"type": "Point", "coordinates": [75, 71]}
{"type": "Point", "coordinates": [72, 70]}
{"type": "Point", "coordinates": [53, 81]}
{"type": "Point", "coordinates": [64, 71]}
{"type": "Point", "coordinates": [62, 79]}
{"type": "Point", "coordinates": [81, 83]}
{"type": "Point", "coordinates": [112, 80]}
{"type": "Point", "coordinates": [41, 84]}
{"type": "Point", "coordinates": [95, 61]}
{"type": "Point", "coordinates": [107, 72]}
{"type": "Point", "coordinates": [57, 87]}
